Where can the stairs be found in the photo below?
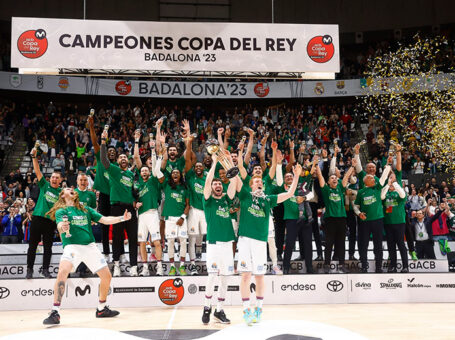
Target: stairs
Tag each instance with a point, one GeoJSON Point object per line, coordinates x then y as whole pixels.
{"type": "Point", "coordinates": [15, 158]}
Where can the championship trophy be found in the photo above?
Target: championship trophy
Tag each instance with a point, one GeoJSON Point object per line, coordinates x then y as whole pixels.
{"type": "Point", "coordinates": [213, 148]}
{"type": "Point", "coordinates": [65, 219]}
{"type": "Point", "coordinates": [37, 147]}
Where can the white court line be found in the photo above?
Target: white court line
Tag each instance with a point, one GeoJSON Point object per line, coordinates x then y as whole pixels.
{"type": "Point", "coordinates": [169, 324]}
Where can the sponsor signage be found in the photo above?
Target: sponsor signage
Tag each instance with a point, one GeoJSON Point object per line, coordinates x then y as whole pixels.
{"type": "Point", "coordinates": [190, 291]}
{"type": "Point", "coordinates": [173, 46]}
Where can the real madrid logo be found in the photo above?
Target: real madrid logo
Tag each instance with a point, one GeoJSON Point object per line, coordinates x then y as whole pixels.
{"type": "Point", "coordinates": [319, 89]}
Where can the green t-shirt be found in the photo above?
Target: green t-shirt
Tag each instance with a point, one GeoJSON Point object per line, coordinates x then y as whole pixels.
{"type": "Point", "coordinates": [149, 193]}
{"type": "Point", "coordinates": [361, 175]}
{"type": "Point", "coordinates": [101, 177]}
{"type": "Point", "coordinates": [291, 207]}
{"type": "Point", "coordinates": [179, 163]}
{"type": "Point", "coordinates": [219, 223]}
{"type": "Point", "coordinates": [80, 151]}
{"type": "Point", "coordinates": [195, 188]}
{"type": "Point", "coordinates": [87, 198]}
{"type": "Point", "coordinates": [80, 225]}
{"type": "Point", "coordinates": [394, 210]}
{"type": "Point", "coordinates": [254, 214]}
{"type": "Point", "coordinates": [369, 200]}
{"type": "Point", "coordinates": [120, 184]}
{"type": "Point", "coordinates": [47, 198]}
{"type": "Point", "coordinates": [174, 200]}
{"type": "Point", "coordinates": [334, 200]}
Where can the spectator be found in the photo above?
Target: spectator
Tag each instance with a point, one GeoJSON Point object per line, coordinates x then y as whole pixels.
{"type": "Point", "coordinates": [12, 226]}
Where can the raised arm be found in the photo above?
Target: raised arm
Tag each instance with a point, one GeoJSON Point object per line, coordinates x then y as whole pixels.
{"type": "Point", "coordinates": [93, 137]}
{"type": "Point", "coordinates": [386, 171]}
{"type": "Point", "coordinates": [348, 174]}
{"type": "Point", "coordinates": [36, 168]}
{"type": "Point", "coordinates": [398, 149]}
{"type": "Point", "coordinates": [103, 152]}
{"type": "Point", "coordinates": [333, 162]}
{"type": "Point", "coordinates": [220, 137]}
{"type": "Point", "coordinates": [262, 153]}
{"type": "Point", "coordinates": [209, 178]}
{"type": "Point", "coordinates": [291, 154]}
{"type": "Point", "coordinates": [136, 157]}
{"type": "Point", "coordinates": [272, 170]}
{"type": "Point", "coordinates": [279, 168]}
{"type": "Point", "coordinates": [232, 187]}
{"type": "Point", "coordinates": [242, 169]}
{"type": "Point", "coordinates": [358, 167]}
{"type": "Point", "coordinates": [384, 191]}
{"type": "Point", "coordinates": [320, 177]}
{"type": "Point", "coordinates": [288, 194]}
{"type": "Point", "coordinates": [249, 147]}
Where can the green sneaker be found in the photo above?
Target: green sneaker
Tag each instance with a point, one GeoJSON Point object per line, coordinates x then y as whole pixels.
{"type": "Point", "coordinates": [248, 317]}
{"type": "Point", "coordinates": [446, 246]}
{"type": "Point", "coordinates": [173, 271]}
{"type": "Point", "coordinates": [442, 247]}
{"type": "Point", "coordinates": [414, 256]}
{"type": "Point", "coordinates": [182, 271]}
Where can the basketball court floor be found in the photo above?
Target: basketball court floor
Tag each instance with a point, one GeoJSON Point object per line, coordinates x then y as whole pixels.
{"type": "Point", "coordinates": [346, 321]}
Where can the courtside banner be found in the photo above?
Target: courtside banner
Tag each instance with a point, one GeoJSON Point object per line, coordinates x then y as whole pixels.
{"type": "Point", "coordinates": [173, 46]}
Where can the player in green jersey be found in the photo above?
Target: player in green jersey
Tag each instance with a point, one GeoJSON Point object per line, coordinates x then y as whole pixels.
{"type": "Point", "coordinates": [255, 207]}
{"type": "Point", "coordinates": [394, 200]}
{"type": "Point", "coordinates": [79, 246]}
{"type": "Point", "coordinates": [121, 195]}
{"type": "Point", "coordinates": [368, 206]}
{"type": "Point", "coordinates": [41, 224]}
{"type": "Point", "coordinates": [148, 189]}
{"type": "Point", "coordinates": [220, 236]}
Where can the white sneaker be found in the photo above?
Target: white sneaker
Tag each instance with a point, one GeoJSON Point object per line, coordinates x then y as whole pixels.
{"type": "Point", "coordinates": [116, 271]}
{"type": "Point", "coordinates": [145, 271]}
{"type": "Point", "coordinates": [133, 271]}
{"type": "Point", "coordinates": [123, 259]}
{"type": "Point", "coordinates": [159, 270]}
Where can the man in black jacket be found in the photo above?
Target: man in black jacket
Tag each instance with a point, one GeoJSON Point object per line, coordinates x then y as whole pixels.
{"type": "Point", "coordinates": [421, 225]}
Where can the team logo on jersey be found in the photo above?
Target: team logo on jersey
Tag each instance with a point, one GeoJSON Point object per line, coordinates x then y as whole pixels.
{"type": "Point", "coordinates": [214, 265]}
{"type": "Point", "coordinates": [171, 291]}
{"type": "Point", "coordinates": [32, 44]}
{"type": "Point", "coordinates": [243, 264]}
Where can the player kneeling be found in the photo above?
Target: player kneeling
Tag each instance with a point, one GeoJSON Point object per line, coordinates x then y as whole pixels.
{"type": "Point", "coordinates": [74, 222]}
{"type": "Point", "coordinates": [220, 236]}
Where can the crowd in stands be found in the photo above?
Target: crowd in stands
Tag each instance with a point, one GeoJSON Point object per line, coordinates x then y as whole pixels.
{"type": "Point", "coordinates": [312, 129]}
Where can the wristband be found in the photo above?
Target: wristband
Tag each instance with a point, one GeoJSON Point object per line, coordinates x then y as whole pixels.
{"type": "Point", "coordinates": [103, 139]}
{"type": "Point", "coordinates": [122, 219]}
{"type": "Point", "coordinates": [183, 216]}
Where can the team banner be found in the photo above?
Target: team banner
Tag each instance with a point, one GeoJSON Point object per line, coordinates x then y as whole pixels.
{"type": "Point", "coordinates": [174, 46]}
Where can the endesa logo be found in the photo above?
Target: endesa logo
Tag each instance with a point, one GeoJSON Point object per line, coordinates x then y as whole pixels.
{"type": "Point", "coordinates": [261, 89]}
{"type": "Point", "coordinates": [171, 292]}
{"type": "Point", "coordinates": [298, 287]}
{"type": "Point", "coordinates": [320, 49]}
{"type": "Point", "coordinates": [123, 87]}
{"type": "Point", "coordinates": [32, 44]}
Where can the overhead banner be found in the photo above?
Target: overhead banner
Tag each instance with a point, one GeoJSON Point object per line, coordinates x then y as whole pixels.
{"type": "Point", "coordinates": [173, 46]}
{"type": "Point", "coordinates": [220, 89]}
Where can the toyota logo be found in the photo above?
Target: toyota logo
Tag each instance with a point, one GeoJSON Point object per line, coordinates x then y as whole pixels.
{"type": "Point", "coordinates": [4, 292]}
{"type": "Point", "coordinates": [335, 286]}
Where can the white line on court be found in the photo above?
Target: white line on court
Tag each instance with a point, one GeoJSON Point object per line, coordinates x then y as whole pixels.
{"type": "Point", "coordinates": [169, 324]}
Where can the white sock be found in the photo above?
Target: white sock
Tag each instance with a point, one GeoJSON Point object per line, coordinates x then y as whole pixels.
{"type": "Point", "coordinates": [56, 307]}
{"type": "Point", "coordinates": [116, 263]}
{"type": "Point", "coordinates": [259, 301]}
{"type": "Point", "coordinates": [246, 303]}
{"type": "Point", "coordinates": [101, 305]}
{"type": "Point", "coordinates": [208, 301]}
